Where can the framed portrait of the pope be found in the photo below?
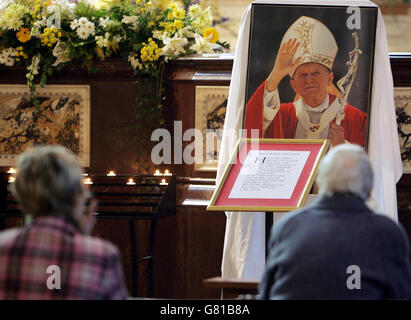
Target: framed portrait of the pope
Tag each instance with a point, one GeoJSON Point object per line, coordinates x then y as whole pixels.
{"type": "Point", "coordinates": [309, 72]}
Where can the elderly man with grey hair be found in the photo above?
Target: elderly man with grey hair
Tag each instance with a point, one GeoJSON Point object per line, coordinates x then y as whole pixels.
{"type": "Point", "coordinates": [337, 248]}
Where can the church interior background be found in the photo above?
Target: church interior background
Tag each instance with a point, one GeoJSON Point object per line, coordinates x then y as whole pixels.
{"type": "Point", "coordinates": [185, 252]}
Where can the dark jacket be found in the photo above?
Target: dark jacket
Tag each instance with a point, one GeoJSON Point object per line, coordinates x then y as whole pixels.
{"type": "Point", "coordinates": [311, 251]}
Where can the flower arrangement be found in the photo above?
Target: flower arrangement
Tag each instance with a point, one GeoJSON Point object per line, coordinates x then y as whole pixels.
{"type": "Point", "coordinates": [44, 36]}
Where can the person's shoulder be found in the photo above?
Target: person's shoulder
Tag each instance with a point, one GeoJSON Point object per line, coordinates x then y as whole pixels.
{"type": "Point", "coordinates": [8, 236]}
{"type": "Point", "coordinates": [383, 221]}
{"type": "Point", "coordinates": [387, 228]}
{"type": "Point", "coordinates": [386, 222]}
{"type": "Point", "coordinates": [96, 246]}
{"type": "Point", "coordinates": [293, 219]}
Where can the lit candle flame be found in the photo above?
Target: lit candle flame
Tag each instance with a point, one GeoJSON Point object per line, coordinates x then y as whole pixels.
{"type": "Point", "coordinates": [163, 182]}
{"type": "Point", "coordinates": [131, 181]}
{"type": "Point", "coordinates": [157, 173]}
{"type": "Point", "coordinates": [88, 181]}
{"type": "Point", "coordinates": [167, 173]}
{"type": "Point", "coordinates": [12, 179]}
{"type": "Point", "coordinates": [111, 173]}
{"type": "Point", "coordinates": [11, 170]}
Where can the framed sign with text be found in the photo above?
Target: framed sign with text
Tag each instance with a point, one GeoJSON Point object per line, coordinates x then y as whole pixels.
{"type": "Point", "coordinates": [268, 175]}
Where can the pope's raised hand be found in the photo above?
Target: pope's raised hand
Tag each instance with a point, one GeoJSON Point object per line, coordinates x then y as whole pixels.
{"type": "Point", "coordinates": [283, 63]}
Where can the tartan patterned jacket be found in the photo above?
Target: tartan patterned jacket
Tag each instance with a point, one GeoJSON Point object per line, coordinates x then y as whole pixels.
{"type": "Point", "coordinates": [87, 267]}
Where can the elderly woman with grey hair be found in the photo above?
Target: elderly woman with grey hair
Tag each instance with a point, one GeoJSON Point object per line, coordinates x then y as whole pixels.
{"type": "Point", "coordinates": [338, 248]}
{"type": "Point", "coordinates": [53, 257]}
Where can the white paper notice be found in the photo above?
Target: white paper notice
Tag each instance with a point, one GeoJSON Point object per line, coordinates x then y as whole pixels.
{"type": "Point", "coordinates": [268, 174]}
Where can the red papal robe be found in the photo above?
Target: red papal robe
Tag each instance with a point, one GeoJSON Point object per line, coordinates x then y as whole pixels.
{"type": "Point", "coordinates": [284, 124]}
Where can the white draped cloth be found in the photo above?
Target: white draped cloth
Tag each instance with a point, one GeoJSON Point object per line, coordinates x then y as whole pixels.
{"type": "Point", "coordinates": [244, 244]}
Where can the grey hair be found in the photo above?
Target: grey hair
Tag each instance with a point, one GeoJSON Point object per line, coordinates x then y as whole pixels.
{"type": "Point", "coordinates": [345, 169]}
{"type": "Point", "coordinates": [48, 181]}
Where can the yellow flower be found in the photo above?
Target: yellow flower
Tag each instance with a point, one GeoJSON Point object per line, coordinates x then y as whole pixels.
{"type": "Point", "coordinates": [170, 15]}
{"type": "Point", "coordinates": [150, 51]}
{"type": "Point", "coordinates": [180, 13]}
{"type": "Point", "coordinates": [170, 28]}
{"type": "Point", "coordinates": [23, 35]}
{"type": "Point", "coordinates": [179, 24]}
{"type": "Point", "coordinates": [173, 6]}
{"type": "Point", "coordinates": [211, 34]}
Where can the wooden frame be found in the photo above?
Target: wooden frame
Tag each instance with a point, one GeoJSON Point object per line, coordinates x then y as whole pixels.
{"type": "Point", "coordinates": [210, 109]}
{"type": "Point", "coordinates": [270, 22]}
{"type": "Point", "coordinates": [221, 200]}
{"type": "Point", "coordinates": [63, 118]}
{"type": "Point", "coordinates": [402, 98]}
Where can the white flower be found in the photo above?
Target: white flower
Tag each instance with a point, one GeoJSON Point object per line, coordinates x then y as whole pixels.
{"type": "Point", "coordinates": [7, 56]}
{"type": "Point", "coordinates": [82, 21]}
{"type": "Point", "coordinates": [173, 46]}
{"type": "Point", "coordinates": [90, 28]}
{"type": "Point", "coordinates": [74, 24]}
{"type": "Point", "coordinates": [33, 67]}
{"type": "Point", "coordinates": [3, 57]}
{"type": "Point", "coordinates": [194, 10]}
{"type": "Point", "coordinates": [157, 34]}
{"type": "Point", "coordinates": [104, 22]}
{"type": "Point", "coordinates": [101, 41]}
{"type": "Point", "coordinates": [83, 33]}
{"type": "Point", "coordinates": [11, 17]}
{"type": "Point", "coordinates": [35, 30]}
{"type": "Point", "coordinates": [11, 52]}
{"type": "Point", "coordinates": [202, 45]}
{"type": "Point", "coordinates": [60, 51]}
{"type": "Point", "coordinates": [135, 63]}
{"type": "Point", "coordinates": [130, 19]}
{"type": "Point", "coordinates": [116, 39]}
{"type": "Point", "coordinates": [9, 62]}
{"type": "Point", "coordinates": [186, 32]}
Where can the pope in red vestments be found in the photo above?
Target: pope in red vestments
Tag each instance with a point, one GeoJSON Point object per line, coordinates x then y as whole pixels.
{"type": "Point", "coordinates": [284, 124]}
{"type": "Point", "coordinates": [313, 114]}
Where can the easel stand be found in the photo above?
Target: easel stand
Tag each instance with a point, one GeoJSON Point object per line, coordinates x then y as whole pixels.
{"type": "Point", "coordinates": [268, 225]}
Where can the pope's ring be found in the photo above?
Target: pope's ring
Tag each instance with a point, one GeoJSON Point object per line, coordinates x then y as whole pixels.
{"type": "Point", "coordinates": [284, 51]}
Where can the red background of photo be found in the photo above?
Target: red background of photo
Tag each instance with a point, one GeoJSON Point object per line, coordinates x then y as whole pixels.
{"type": "Point", "coordinates": [223, 200]}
